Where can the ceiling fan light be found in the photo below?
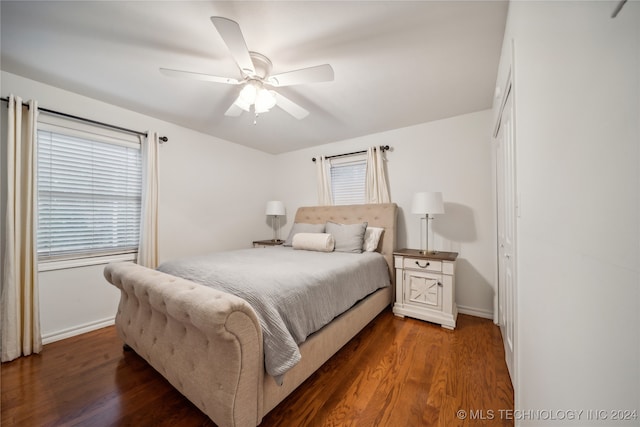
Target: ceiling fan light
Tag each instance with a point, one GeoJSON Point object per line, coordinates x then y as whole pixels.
{"type": "Point", "coordinates": [248, 94]}
{"type": "Point", "coordinates": [265, 100]}
{"type": "Point", "coordinates": [243, 104]}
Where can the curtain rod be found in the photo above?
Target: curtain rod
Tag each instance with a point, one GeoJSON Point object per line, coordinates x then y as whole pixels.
{"type": "Point", "coordinates": [383, 148]}
{"type": "Point", "coordinates": [94, 122]}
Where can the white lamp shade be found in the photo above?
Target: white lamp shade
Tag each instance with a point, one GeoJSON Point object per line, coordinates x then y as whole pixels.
{"type": "Point", "coordinates": [275, 207]}
{"type": "Point", "coordinates": [428, 202]}
{"type": "Point", "coordinates": [248, 93]}
{"type": "Point", "coordinates": [265, 100]}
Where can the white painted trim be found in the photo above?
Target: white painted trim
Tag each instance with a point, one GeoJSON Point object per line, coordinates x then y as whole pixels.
{"type": "Point", "coordinates": [83, 262]}
{"type": "Point", "coordinates": [77, 330]}
{"type": "Point", "coordinates": [478, 312]}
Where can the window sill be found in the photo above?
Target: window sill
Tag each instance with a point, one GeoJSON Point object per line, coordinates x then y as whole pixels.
{"type": "Point", "coordinates": [84, 262]}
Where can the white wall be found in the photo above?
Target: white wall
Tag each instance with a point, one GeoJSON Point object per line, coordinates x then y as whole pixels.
{"type": "Point", "coordinates": [451, 155]}
{"type": "Point", "coordinates": [577, 102]}
{"type": "Point", "coordinates": [212, 197]}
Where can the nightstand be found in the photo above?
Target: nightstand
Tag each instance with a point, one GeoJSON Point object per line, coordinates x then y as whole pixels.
{"type": "Point", "coordinates": [267, 243]}
{"type": "Point", "coordinates": [425, 286]}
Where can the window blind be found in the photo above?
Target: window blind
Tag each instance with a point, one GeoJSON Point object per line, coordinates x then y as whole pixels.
{"type": "Point", "coordinates": [348, 181]}
{"type": "Point", "coordinates": [89, 197]}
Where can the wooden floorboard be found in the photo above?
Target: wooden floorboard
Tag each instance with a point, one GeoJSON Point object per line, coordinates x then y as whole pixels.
{"type": "Point", "coordinates": [396, 372]}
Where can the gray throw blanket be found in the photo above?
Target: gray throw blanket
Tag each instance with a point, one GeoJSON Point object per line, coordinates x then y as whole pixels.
{"type": "Point", "coordinates": [293, 292]}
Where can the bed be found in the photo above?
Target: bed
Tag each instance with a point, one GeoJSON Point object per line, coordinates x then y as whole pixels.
{"type": "Point", "coordinates": [209, 343]}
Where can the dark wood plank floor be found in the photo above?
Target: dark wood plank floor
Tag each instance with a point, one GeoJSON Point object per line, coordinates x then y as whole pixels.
{"type": "Point", "coordinates": [397, 372]}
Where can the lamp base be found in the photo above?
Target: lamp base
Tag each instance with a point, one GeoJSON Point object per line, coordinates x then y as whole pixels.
{"type": "Point", "coordinates": [427, 252]}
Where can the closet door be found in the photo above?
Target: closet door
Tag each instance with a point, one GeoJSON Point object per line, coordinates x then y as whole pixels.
{"type": "Point", "coordinates": [506, 200]}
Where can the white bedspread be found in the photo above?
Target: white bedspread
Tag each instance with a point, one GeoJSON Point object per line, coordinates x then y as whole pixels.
{"type": "Point", "coordinates": [294, 293]}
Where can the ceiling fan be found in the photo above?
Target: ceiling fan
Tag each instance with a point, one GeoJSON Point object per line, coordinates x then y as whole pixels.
{"type": "Point", "coordinates": [256, 80]}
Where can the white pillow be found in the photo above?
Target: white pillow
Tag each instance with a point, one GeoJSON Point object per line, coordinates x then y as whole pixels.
{"type": "Point", "coordinates": [320, 242]}
{"type": "Point", "coordinates": [371, 238]}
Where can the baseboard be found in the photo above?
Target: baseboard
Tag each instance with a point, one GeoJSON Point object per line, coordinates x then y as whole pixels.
{"type": "Point", "coordinates": [92, 326]}
{"type": "Point", "coordinates": [77, 330]}
{"type": "Point", "coordinates": [471, 311]}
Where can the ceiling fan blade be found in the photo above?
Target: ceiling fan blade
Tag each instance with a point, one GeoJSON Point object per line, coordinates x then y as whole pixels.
{"type": "Point", "coordinates": [291, 107]}
{"type": "Point", "coordinates": [232, 35]}
{"type": "Point", "coordinates": [319, 73]}
{"type": "Point", "coordinates": [198, 76]}
{"type": "Point", "coordinates": [233, 111]}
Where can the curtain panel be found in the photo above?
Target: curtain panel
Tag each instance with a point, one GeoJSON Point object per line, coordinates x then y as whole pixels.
{"type": "Point", "coordinates": [376, 186]}
{"type": "Point", "coordinates": [20, 308]}
{"type": "Point", "coordinates": [324, 181]}
{"type": "Point", "coordinates": [148, 245]}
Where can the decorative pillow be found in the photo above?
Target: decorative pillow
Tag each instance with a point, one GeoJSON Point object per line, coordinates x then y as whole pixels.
{"type": "Point", "coordinates": [371, 238]}
{"type": "Point", "coordinates": [348, 237]}
{"type": "Point", "coordinates": [302, 227]}
{"type": "Point", "coordinates": [321, 242]}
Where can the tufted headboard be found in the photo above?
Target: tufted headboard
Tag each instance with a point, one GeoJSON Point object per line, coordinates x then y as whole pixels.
{"type": "Point", "coordinates": [376, 215]}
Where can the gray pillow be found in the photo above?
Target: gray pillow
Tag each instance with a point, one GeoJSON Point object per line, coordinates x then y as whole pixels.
{"type": "Point", "coordinates": [302, 227]}
{"type": "Point", "coordinates": [348, 237]}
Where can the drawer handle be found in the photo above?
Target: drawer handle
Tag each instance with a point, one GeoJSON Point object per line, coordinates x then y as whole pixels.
{"type": "Point", "coordinates": [422, 266]}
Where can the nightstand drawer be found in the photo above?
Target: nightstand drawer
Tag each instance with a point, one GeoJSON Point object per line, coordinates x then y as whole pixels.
{"type": "Point", "coordinates": [422, 264]}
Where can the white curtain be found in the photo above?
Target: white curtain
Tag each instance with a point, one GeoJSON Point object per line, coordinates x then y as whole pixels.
{"type": "Point", "coordinates": [376, 187]}
{"type": "Point", "coordinates": [20, 307]}
{"type": "Point", "coordinates": [148, 246]}
{"type": "Point", "coordinates": [324, 181]}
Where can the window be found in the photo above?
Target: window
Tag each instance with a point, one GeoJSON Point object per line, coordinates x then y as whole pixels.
{"type": "Point", "coordinates": [89, 194]}
{"type": "Point", "coordinates": [348, 176]}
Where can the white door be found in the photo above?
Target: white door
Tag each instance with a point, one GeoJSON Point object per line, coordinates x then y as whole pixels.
{"type": "Point", "coordinates": [506, 199]}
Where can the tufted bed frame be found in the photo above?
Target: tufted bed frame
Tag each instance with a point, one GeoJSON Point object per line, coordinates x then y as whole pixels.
{"type": "Point", "coordinates": [208, 343]}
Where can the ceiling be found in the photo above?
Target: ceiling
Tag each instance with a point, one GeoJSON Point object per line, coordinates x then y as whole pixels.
{"type": "Point", "coordinates": [396, 63]}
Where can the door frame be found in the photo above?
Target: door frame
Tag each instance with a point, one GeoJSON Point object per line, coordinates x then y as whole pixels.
{"type": "Point", "coordinates": [498, 314]}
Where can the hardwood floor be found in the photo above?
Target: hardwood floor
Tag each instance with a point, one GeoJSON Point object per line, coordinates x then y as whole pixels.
{"type": "Point", "coordinates": [397, 372]}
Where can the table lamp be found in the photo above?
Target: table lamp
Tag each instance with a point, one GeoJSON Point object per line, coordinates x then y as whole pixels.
{"type": "Point", "coordinates": [426, 203]}
{"type": "Point", "coordinates": [275, 209]}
